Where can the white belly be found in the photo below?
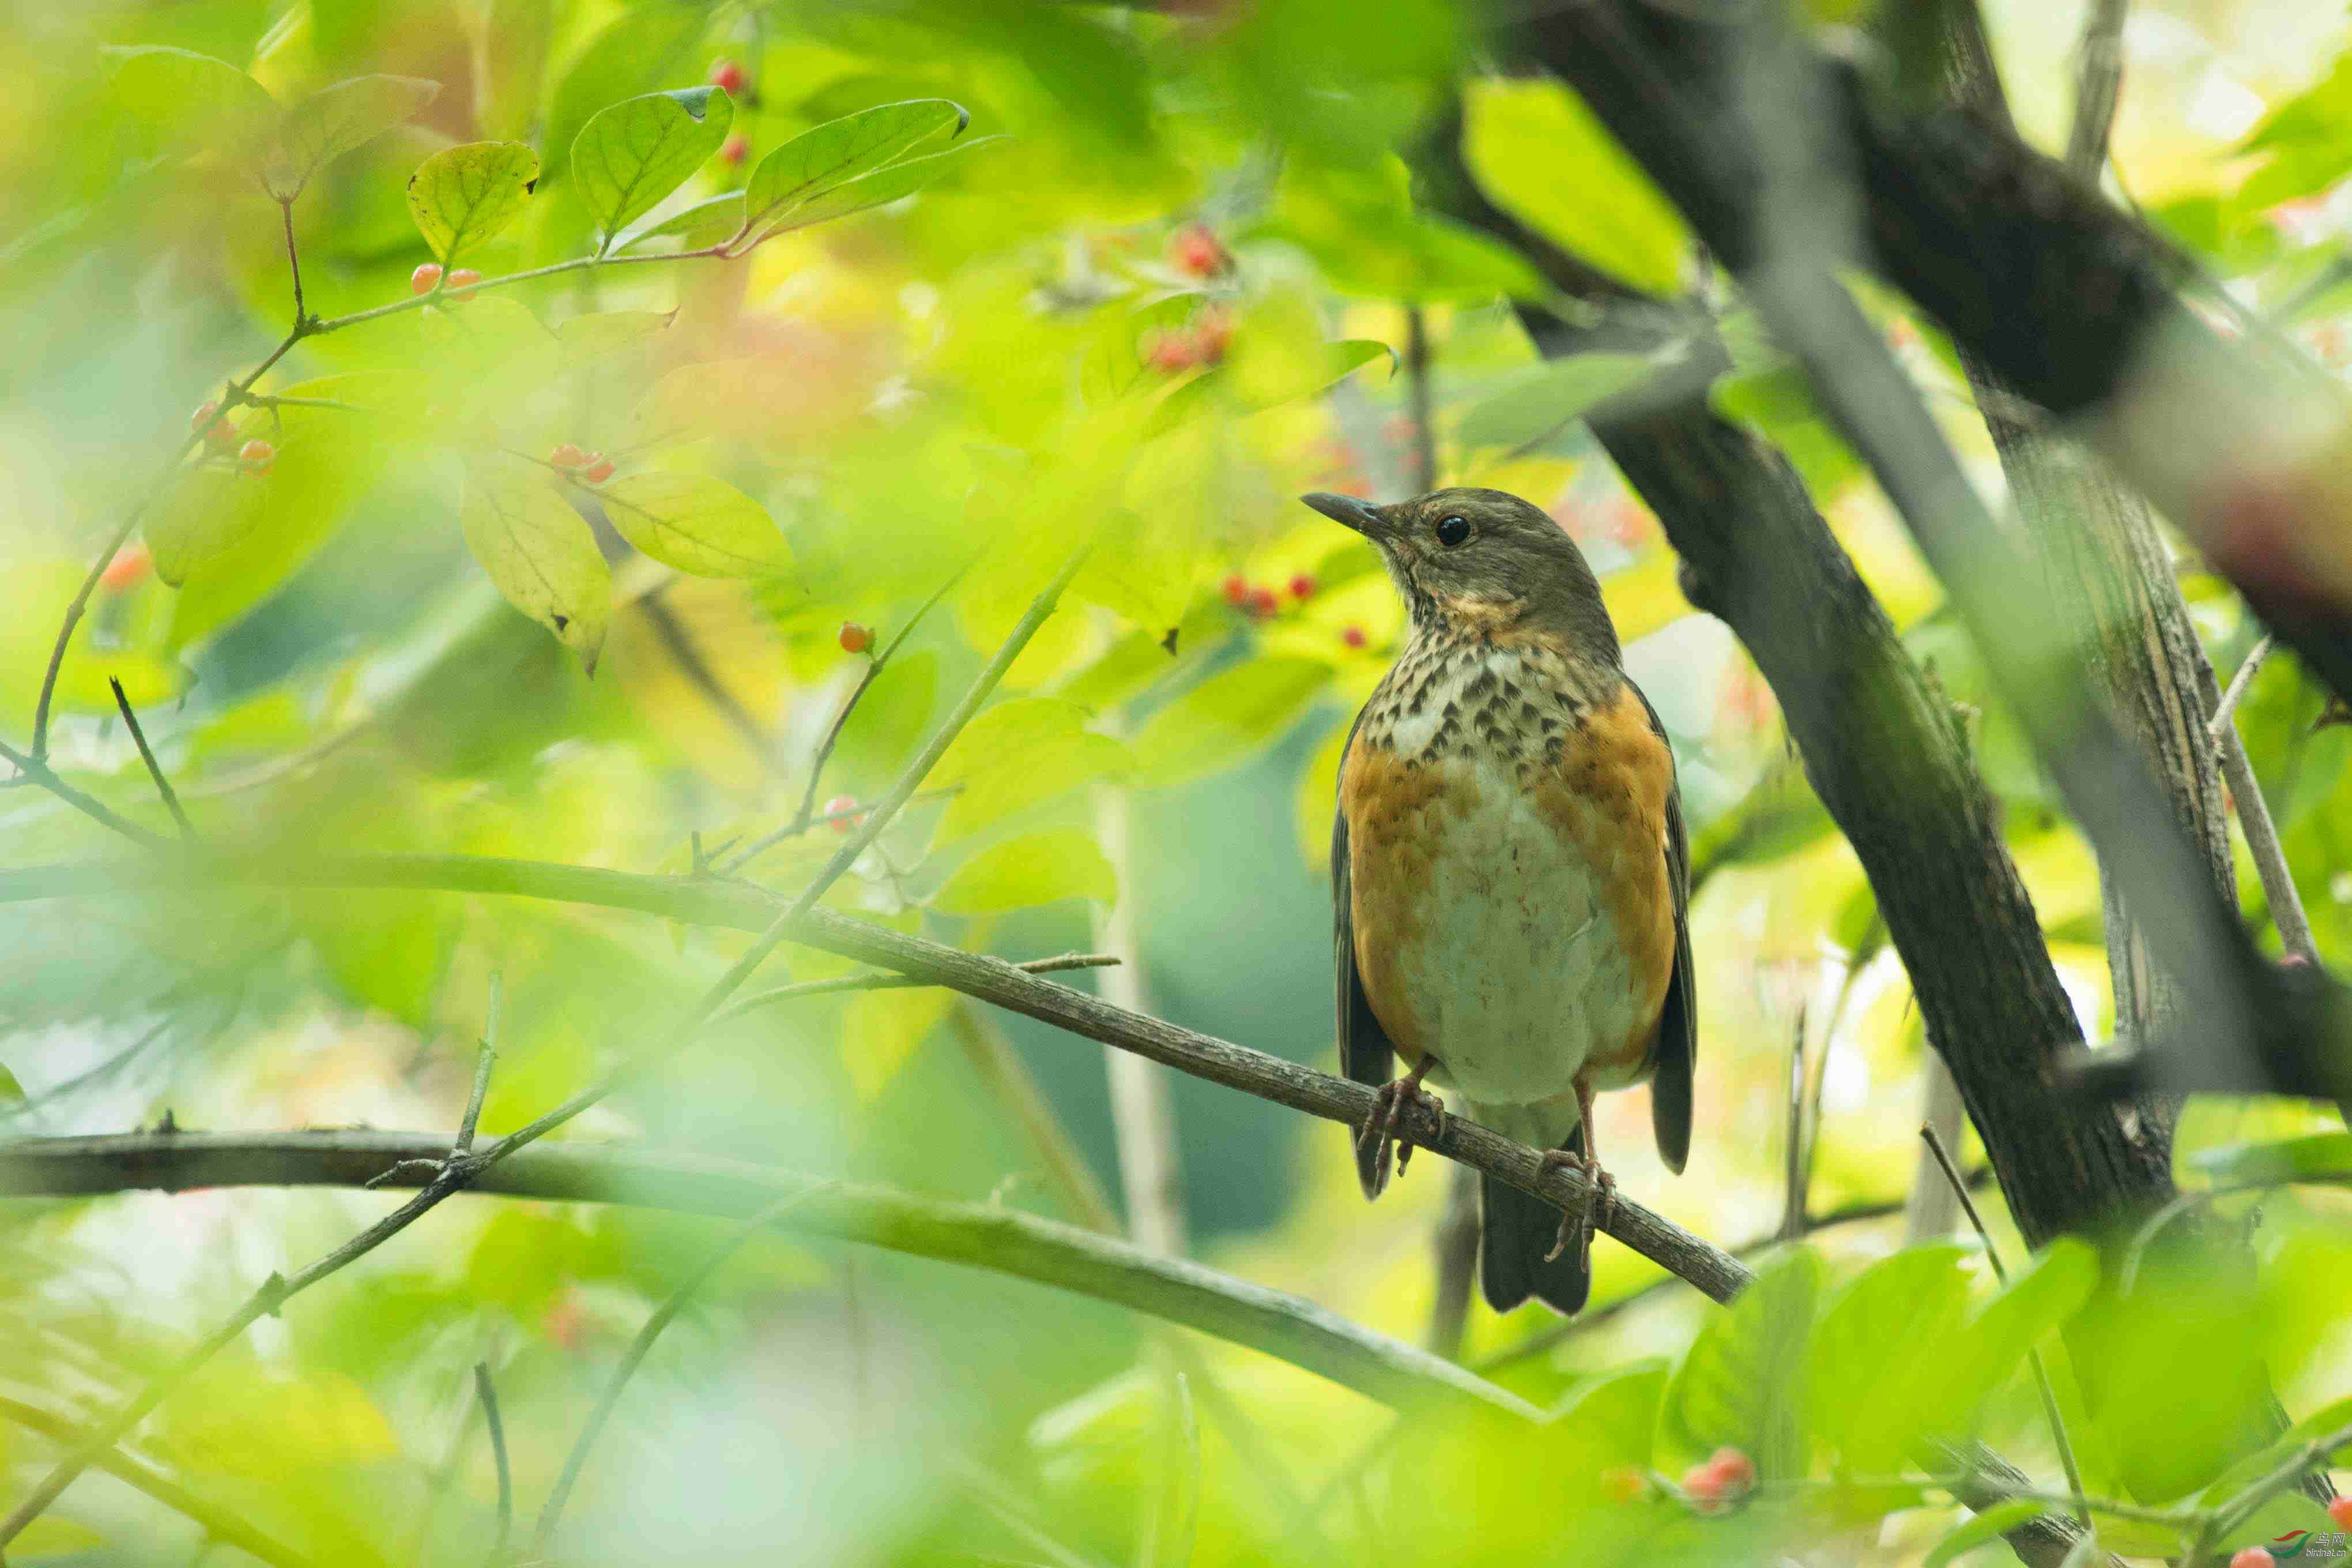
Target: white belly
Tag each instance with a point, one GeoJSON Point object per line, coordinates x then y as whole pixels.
{"type": "Point", "coordinates": [1515, 968]}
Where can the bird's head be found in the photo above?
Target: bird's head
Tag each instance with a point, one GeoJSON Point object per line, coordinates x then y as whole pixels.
{"type": "Point", "coordinates": [1484, 561]}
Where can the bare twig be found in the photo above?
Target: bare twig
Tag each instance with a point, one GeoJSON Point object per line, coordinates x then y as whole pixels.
{"type": "Point", "coordinates": [2098, 88]}
{"type": "Point", "coordinates": [487, 1392]}
{"type": "Point", "coordinates": [2034, 1355]}
{"type": "Point", "coordinates": [1796, 1167]}
{"type": "Point", "coordinates": [883, 980]}
{"type": "Point", "coordinates": [484, 1060]}
{"type": "Point", "coordinates": [293, 260]}
{"type": "Point", "coordinates": [98, 811]}
{"type": "Point", "coordinates": [1419, 399]}
{"type": "Point", "coordinates": [147, 755]}
{"type": "Point", "coordinates": [2225, 710]}
{"type": "Point", "coordinates": [218, 1522]}
{"type": "Point", "coordinates": [551, 1514]}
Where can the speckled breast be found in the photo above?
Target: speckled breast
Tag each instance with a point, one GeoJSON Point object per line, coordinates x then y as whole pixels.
{"type": "Point", "coordinates": [1512, 912]}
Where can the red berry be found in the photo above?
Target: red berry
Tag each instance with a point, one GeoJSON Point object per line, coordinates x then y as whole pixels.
{"type": "Point", "coordinates": [1353, 636]}
{"type": "Point", "coordinates": [1236, 590]}
{"type": "Point", "coordinates": [856, 639]}
{"type": "Point", "coordinates": [1735, 1469]}
{"type": "Point", "coordinates": [728, 77]}
{"type": "Point", "coordinates": [254, 456]}
{"type": "Point", "coordinates": [841, 811]}
{"type": "Point", "coordinates": [1264, 602]}
{"type": "Point", "coordinates": [1197, 253]}
{"type": "Point", "coordinates": [599, 468]}
{"type": "Point", "coordinates": [567, 455]}
{"type": "Point", "coordinates": [1302, 586]}
{"type": "Point", "coordinates": [130, 564]}
{"type": "Point", "coordinates": [463, 279]}
{"type": "Point", "coordinates": [424, 279]}
{"type": "Point", "coordinates": [2340, 1512]}
{"type": "Point", "coordinates": [1624, 1484]}
{"type": "Point", "coordinates": [735, 149]}
{"type": "Point", "coordinates": [1171, 352]}
{"type": "Point", "coordinates": [2253, 1557]}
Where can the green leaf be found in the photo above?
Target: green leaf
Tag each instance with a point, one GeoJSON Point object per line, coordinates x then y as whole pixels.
{"type": "Point", "coordinates": [699, 524]}
{"type": "Point", "coordinates": [628, 157]}
{"type": "Point", "coordinates": [463, 195]}
{"type": "Point", "coordinates": [335, 121]}
{"type": "Point", "coordinates": [510, 65]}
{"type": "Point", "coordinates": [1900, 1309]}
{"type": "Point", "coordinates": [2320, 1155]}
{"type": "Point", "coordinates": [1020, 754]}
{"type": "Point", "coordinates": [1541, 398]}
{"type": "Point", "coordinates": [717, 218]}
{"type": "Point", "coordinates": [1741, 1384]}
{"type": "Point", "coordinates": [1545, 157]}
{"type": "Point", "coordinates": [1034, 868]}
{"type": "Point", "coordinates": [191, 102]}
{"type": "Point", "coordinates": [49, 1536]}
{"type": "Point", "coordinates": [644, 47]}
{"type": "Point", "coordinates": [603, 333]}
{"type": "Point", "coordinates": [1225, 717]}
{"type": "Point", "coordinates": [11, 1092]}
{"type": "Point", "coordinates": [841, 151]}
{"type": "Point", "coordinates": [538, 552]}
{"type": "Point", "coordinates": [1982, 1530]}
{"type": "Point", "coordinates": [207, 511]}
{"type": "Point", "coordinates": [890, 719]}
{"type": "Point", "coordinates": [880, 188]}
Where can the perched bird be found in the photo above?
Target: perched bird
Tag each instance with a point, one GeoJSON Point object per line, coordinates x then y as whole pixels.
{"type": "Point", "coordinates": [1508, 866]}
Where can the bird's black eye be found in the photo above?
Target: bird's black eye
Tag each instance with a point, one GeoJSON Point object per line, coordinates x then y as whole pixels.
{"type": "Point", "coordinates": [1452, 530]}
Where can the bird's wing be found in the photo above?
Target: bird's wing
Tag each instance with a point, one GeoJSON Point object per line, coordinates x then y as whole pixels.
{"type": "Point", "coordinates": [1366, 1053]}
{"type": "Point", "coordinates": [1675, 1049]}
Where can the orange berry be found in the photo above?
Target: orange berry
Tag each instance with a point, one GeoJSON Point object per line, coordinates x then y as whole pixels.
{"type": "Point", "coordinates": [1236, 590]}
{"type": "Point", "coordinates": [256, 456]}
{"type": "Point", "coordinates": [1353, 636]}
{"type": "Point", "coordinates": [426, 278]}
{"type": "Point", "coordinates": [728, 77]}
{"type": "Point", "coordinates": [213, 425]}
{"type": "Point", "coordinates": [1734, 1468]}
{"type": "Point", "coordinates": [567, 455]}
{"type": "Point", "coordinates": [130, 564]}
{"type": "Point", "coordinates": [2340, 1512]}
{"type": "Point", "coordinates": [856, 639]}
{"type": "Point", "coordinates": [735, 149]}
{"type": "Point", "coordinates": [463, 279]}
{"type": "Point", "coordinates": [2253, 1557]}
{"type": "Point", "coordinates": [1302, 586]}
{"type": "Point", "coordinates": [599, 468]}
{"type": "Point", "coordinates": [1197, 253]}
{"type": "Point", "coordinates": [841, 811]}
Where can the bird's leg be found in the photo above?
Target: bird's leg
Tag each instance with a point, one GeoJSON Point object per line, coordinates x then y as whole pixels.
{"type": "Point", "coordinates": [1601, 1206]}
{"type": "Point", "coordinates": [1388, 1109]}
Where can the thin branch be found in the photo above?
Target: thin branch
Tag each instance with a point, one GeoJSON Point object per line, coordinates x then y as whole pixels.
{"type": "Point", "coordinates": [147, 755]}
{"type": "Point", "coordinates": [487, 1392]}
{"type": "Point", "coordinates": [218, 1522]}
{"type": "Point", "coordinates": [485, 1060]}
{"type": "Point", "coordinates": [2225, 710]}
{"type": "Point", "coordinates": [2098, 88]}
{"type": "Point", "coordinates": [884, 980]}
{"type": "Point", "coordinates": [551, 1514]}
{"type": "Point", "coordinates": [2286, 1474]}
{"type": "Point", "coordinates": [2034, 1355]}
{"type": "Point", "coordinates": [981, 1236]}
{"type": "Point", "coordinates": [1796, 1168]}
{"type": "Point", "coordinates": [554, 269]}
{"type": "Point", "coordinates": [805, 817]}
{"type": "Point", "coordinates": [293, 260]}
{"type": "Point", "coordinates": [1418, 400]}
{"type": "Point", "coordinates": [98, 811]}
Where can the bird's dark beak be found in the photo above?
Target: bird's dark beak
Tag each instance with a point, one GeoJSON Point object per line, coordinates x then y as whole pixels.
{"type": "Point", "coordinates": [1348, 511]}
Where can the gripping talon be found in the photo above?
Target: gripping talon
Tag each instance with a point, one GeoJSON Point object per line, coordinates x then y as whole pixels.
{"type": "Point", "coordinates": [1380, 1133]}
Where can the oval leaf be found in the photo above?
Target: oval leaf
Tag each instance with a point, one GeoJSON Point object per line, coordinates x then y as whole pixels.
{"type": "Point", "coordinates": [1546, 158]}
{"type": "Point", "coordinates": [1034, 868]}
{"type": "Point", "coordinates": [628, 157]}
{"type": "Point", "coordinates": [192, 100]}
{"type": "Point", "coordinates": [1741, 1384]}
{"type": "Point", "coordinates": [538, 552]}
{"type": "Point", "coordinates": [700, 525]}
{"type": "Point", "coordinates": [335, 119]}
{"type": "Point", "coordinates": [879, 188]}
{"type": "Point", "coordinates": [1017, 755]}
{"type": "Point", "coordinates": [463, 195]}
{"type": "Point", "coordinates": [841, 151]}
{"type": "Point", "coordinates": [1542, 398]}
{"type": "Point", "coordinates": [1225, 717]}
{"type": "Point", "coordinates": [2316, 1156]}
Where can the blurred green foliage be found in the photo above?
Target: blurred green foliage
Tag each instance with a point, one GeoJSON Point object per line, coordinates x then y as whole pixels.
{"type": "Point", "coordinates": [935, 293]}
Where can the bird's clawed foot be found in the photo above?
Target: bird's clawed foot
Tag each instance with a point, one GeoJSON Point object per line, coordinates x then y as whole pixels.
{"type": "Point", "coordinates": [1379, 1132]}
{"type": "Point", "coordinates": [1598, 1211]}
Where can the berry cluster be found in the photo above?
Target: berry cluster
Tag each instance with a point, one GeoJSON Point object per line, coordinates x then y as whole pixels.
{"type": "Point", "coordinates": [1262, 602]}
{"type": "Point", "coordinates": [1197, 252]}
{"type": "Point", "coordinates": [1202, 342]}
{"type": "Point", "coordinates": [1727, 1476]}
{"type": "Point", "coordinates": [429, 277]}
{"type": "Point", "coordinates": [587, 468]}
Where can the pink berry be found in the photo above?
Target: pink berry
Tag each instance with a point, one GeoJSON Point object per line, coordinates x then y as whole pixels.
{"type": "Point", "coordinates": [728, 77]}
{"type": "Point", "coordinates": [424, 279]}
{"type": "Point", "coordinates": [1705, 1488]}
{"type": "Point", "coordinates": [130, 564]}
{"type": "Point", "coordinates": [256, 456]}
{"type": "Point", "coordinates": [2253, 1557]}
{"type": "Point", "coordinates": [1171, 352]}
{"type": "Point", "coordinates": [567, 455]}
{"type": "Point", "coordinates": [1353, 636]}
{"type": "Point", "coordinates": [839, 810]}
{"type": "Point", "coordinates": [735, 149]}
{"type": "Point", "coordinates": [856, 639]}
{"type": "Point", "coordinates": [1734, 1468]}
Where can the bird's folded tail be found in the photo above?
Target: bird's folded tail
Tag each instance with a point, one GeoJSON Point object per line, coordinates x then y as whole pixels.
{"type": "Point", "coordinates": [1518, 1230]}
